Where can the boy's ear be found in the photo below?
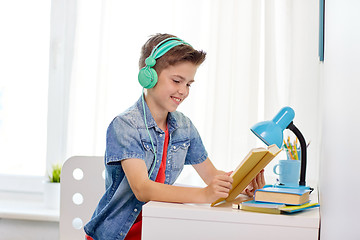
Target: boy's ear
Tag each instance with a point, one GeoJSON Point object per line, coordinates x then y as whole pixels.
{"type": "Point", "coordinates": [147, 77]}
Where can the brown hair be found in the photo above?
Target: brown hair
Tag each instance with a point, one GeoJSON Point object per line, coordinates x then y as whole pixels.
{"type": "Point", "coordinates": [178, 54]}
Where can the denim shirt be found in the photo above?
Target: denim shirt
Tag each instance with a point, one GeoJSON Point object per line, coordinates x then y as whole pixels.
{"type": "Point", "coordinates": [126, 138]}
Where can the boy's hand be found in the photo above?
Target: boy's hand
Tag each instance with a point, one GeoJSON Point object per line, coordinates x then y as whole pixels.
{"type": "Point", "coordinates": [218, 188]}
{"type": "Point", "coordinates": [257, 183]}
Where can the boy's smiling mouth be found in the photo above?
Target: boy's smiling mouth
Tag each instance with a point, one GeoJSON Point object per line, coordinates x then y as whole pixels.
{"type": "Point", "coordinates": [177, 100]}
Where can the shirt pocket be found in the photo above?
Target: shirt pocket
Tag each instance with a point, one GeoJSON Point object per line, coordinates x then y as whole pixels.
{"type": "Point", "coordinates": [149, 153]}
{"type": "Point", "coordinates": [178, 153]}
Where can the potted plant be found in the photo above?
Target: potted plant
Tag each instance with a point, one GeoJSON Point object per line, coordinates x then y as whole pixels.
{"type": "Point", "coordinates": [52, 188]}
{"type": "Point", "coordinates": [54, 177]}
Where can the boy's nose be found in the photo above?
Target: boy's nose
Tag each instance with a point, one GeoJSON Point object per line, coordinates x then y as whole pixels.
{"type": "Point", "coordinates": [182, 90]}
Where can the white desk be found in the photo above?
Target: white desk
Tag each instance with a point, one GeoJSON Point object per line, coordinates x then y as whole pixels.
{"type": "Point", "coordinates": [200, 221]}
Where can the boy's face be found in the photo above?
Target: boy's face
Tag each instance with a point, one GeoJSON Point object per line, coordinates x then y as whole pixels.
{"type": "Point", "coordinates": [173, 86]}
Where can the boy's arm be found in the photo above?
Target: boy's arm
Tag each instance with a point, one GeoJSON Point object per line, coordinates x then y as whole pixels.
{"type": "Point", "coordinates": [207, 171]}
{"type": "Point", "coordinates": [146, 189]}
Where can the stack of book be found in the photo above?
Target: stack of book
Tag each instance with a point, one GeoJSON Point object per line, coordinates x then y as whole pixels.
{"type": "Point", "coordinates": [278, 200]}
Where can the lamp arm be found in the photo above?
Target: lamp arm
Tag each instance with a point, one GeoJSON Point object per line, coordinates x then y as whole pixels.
{"type": "Point", "coordinates": [301, 138]}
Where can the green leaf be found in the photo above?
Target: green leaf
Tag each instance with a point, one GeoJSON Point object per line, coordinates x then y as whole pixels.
{"type": "Point", "coordinates": [55, 174]}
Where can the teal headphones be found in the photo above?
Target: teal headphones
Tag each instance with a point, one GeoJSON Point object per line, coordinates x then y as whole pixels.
{"type": "Point", "coordinates": [147, 75]}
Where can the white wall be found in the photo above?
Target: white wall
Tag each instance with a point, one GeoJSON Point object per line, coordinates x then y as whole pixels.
{"type": "Point", "coordinates": [340, 161]}
{"type": "Point", "coordinates": [12, 229]}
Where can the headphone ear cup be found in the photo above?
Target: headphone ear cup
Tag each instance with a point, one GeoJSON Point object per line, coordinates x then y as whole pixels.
{"type": "Point", "coordinates": [147, 77]}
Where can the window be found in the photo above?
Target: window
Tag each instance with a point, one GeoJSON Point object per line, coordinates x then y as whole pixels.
{"type": "Point", "coordinates": [24, 75]}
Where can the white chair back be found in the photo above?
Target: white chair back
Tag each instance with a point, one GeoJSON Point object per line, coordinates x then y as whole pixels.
{"type": "Point", "coordinates": [82, 185]}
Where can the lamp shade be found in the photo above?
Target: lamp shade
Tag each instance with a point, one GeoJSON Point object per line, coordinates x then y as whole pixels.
{"type": "Point", "coordinates": [271, 132]}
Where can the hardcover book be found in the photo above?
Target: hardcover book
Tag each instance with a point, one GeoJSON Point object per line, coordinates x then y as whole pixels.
{"type": "Point", "coordinates": [289, 196]}
{"type": "Point", "coordinates": [253, 163]}
{"type": "Point", "coordinates": [254, 206]}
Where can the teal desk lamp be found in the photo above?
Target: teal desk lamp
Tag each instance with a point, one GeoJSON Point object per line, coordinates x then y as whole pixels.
{"type": "Point", "coordinates": [271, 132]}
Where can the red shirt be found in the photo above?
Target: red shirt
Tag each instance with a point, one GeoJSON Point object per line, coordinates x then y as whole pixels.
{"type": "Point", "coordinates": [135, 231]}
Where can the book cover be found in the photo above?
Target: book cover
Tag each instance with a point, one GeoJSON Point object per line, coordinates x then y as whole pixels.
{"type": "Point", "coordinates": [250, 166]}
{"type": "Point", "coordinates": [293, 209]}
{"type": "Point", "coordinates": [290, 196]}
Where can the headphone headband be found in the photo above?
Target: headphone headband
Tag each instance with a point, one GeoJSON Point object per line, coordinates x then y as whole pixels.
{"type": "Point", "coordinates": [163, 42]}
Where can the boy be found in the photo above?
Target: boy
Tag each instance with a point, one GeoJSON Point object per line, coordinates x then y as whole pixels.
{"type": "Point", "coordinates": [148, 145]}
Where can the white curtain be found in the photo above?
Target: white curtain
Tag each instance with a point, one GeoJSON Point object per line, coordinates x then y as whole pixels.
{"type": "Point", "coordinates": [252, 69]}
{"type": "Point", "coordinates": [292, 70]}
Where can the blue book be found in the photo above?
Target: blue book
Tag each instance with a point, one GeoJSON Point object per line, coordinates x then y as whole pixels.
{"type": "Point", "coordinates": [289, 196]}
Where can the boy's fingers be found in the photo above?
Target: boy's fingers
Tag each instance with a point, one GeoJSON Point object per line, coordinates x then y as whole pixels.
{"type": "Point", "coordinates": [226, 184]}
{"type": "Point", "coordinates": [249, 193]}
{"type": "Point", "coordinates": [225, 178]}
{"type": "Point", "coordinates": [259, 178]}
{"type": "Point", "coordinates": [255, 184]}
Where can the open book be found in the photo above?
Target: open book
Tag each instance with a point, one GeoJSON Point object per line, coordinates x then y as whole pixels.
{"type": "Point", "coordinates": [253, 163]}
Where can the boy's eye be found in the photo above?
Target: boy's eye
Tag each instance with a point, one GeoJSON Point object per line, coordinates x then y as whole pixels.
{"type": "Point", "coordinates": [180, 81]}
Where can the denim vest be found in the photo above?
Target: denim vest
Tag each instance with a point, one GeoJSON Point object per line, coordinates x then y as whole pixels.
{"type": "Point", "coordinates": [126, 138]}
